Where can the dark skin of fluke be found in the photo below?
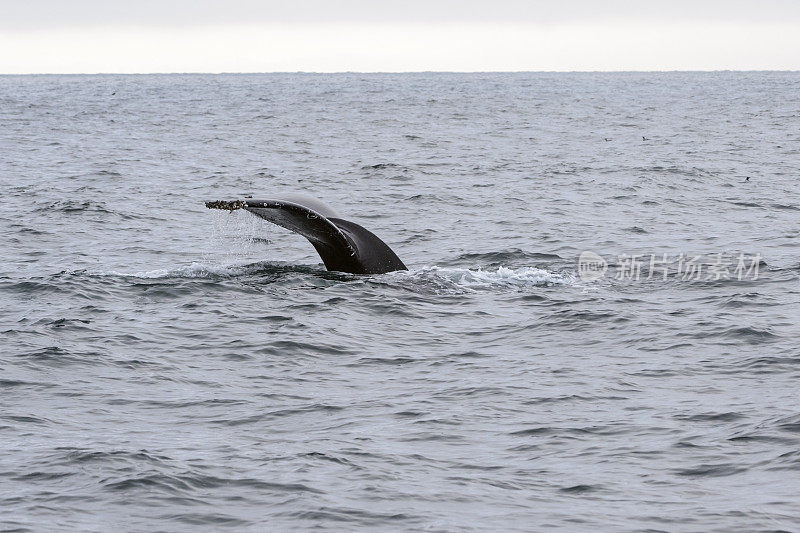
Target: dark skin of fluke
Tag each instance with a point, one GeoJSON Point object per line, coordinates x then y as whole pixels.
{"type": "Point", "coordinates": [343, 245]}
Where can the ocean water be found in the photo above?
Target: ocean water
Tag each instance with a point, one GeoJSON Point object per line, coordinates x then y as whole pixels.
{"type": "Point", "coordinates": [165, 367]}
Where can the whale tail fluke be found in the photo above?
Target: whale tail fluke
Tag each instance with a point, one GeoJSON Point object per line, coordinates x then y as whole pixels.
{"type": "Point", "coordinates": [344, 246]}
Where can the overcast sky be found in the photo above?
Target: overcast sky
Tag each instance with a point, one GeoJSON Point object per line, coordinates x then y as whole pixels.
{"type": "Point", "coordinates": [412, 35]}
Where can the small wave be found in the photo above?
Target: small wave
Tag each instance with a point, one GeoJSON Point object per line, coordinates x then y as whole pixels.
{"type": "Point", "coordinates": [789, 423]}
{"type": "Point", "coordinates": [189, 482]}
{"type": "Point", "coordinates": [381, 166]}
{"type": "Point", "coordinates": [580, 489]}
{"type": "Point", "coordinates": [786, 206]}
{"type": "Point", "coordinates": [74, 206]}
{"type": "Point", "coordinates": [82, 207]}
{"type": "Point", "coordinates": [727, 416]}
{"type": "Point", "coordinates": [503, 257]}
{"type": "Point", "coordinates": [711, 470]}
{"type": "Point", "coordinates": [636, 229]}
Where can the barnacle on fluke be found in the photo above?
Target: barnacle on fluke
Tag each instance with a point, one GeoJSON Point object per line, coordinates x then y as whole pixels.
{"type": "Point", "coordinates": [228, 205]}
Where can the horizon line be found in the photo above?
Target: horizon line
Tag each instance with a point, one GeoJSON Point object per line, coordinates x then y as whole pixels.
{"type": "Point", "coordinates": [313, 72]}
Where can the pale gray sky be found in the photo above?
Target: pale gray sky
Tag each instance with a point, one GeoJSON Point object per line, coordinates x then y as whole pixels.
{"type": "Point", "coordinates": [412, 35]}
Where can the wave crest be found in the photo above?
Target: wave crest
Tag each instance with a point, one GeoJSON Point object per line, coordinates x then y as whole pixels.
{"type": "Point", "coordinates": [443, 279]}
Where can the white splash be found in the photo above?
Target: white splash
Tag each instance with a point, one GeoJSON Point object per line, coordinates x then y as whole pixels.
{"type": "Point", "coordinates": [466, 279]}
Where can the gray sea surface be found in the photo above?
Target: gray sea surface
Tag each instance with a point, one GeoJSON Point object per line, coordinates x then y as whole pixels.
{"type": "Point", "coordinates": [165, 367]}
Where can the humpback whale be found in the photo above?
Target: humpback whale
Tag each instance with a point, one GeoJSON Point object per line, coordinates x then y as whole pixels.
{"type": "Point", "coordinates": [344, 246]}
